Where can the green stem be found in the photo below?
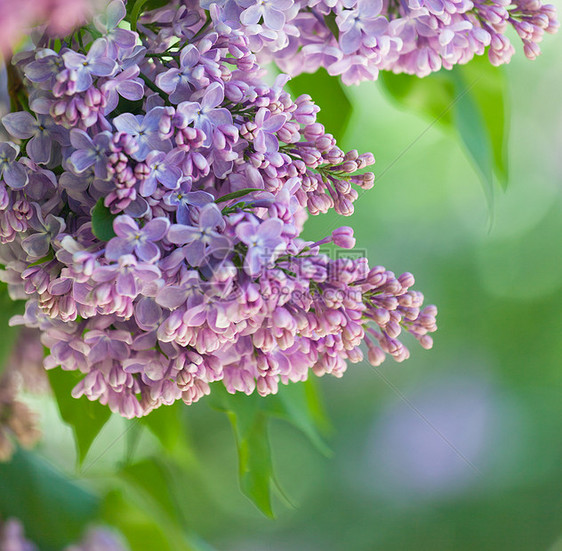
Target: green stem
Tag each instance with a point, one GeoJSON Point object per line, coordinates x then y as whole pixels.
{"type": "Point", "coordinates": [136, 13]}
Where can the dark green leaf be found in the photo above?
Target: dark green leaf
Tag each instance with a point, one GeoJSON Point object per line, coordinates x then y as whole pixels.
{"type": "Point", "coordinates": [54, 510]}
{"type": "Point", "coordinates": [102, 221]}
{"type": "Point", "coordinates": [8, 308]}
{"type": "Point", "coordinates": [250, 425]}
{"type": "Point", "coordinates": [85, 417]}
{"type": "Point", "coordinates": [236, 194]}
{"type": "Point", "coordinates": [329, 94]}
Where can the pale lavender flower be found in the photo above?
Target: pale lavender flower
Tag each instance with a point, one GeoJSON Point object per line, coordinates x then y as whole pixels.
{"type": "Point", "coordinates": [164, 169]}
{"type": "Point", "coordinates": [95, 63]}
{"type": "Point", "coordinates": [361, 25]}
{"type": "Point", "coordinates": [12, 171]}
{"type": "Point", "coordinates": [142, 241]}
{"type": "Point", "coordinates": [145, 131]}
{"type": "Point", "coordinates": [206, 115]}
{"type": "Point", "coordinates": [264, 243]}
{"type": "Point", "coordinates": [183, 199]}
{"type": "Point", "coordinates": [202, 240]}
{"type": "Point", "coordinates": [37, 244]}
{"type": "Point", "coordinates": [39, 131]}
{"type": "Point", "coordinates": [272, 12]}
{"type": "Point", "coordinates": [117, 39]}
{"type": "Point", "coordinates": [89, 152]}
{"type": "Point", "coordinates": [125, 84]}
{"type": "Point", "coordinates": [179, 83]}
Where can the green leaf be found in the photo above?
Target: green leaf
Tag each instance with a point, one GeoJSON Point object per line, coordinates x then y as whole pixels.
{"type": "Point", "coordinates": [8, 308]}
{"type": "Point", "coordinates": [330, 95]}
{"type": "Point", "coordinates": [250, 425]}
{"type": "Point", "coordinates": [490, 95]}
{"type": "Point", "coordinates": [299, 404]}
{"type": "Point", "coordinates": [167, 423]}
{"type": "Point", "coordinates": [430, 96]}
{"type": "Point", "coordinates": [85, 417]}
{"type": "Point", "coordinates": [54, 510]}
{"type": "Point", "coordinates": [475, 91]}
{"type": "Point", "coordinates": [236, 194]}
{"type": "Point", "coordinates": [135, 522]}
{"type": "Point", "coordinates": [472, 130]}
{"type": "Point", "coordinates": [102, 221]}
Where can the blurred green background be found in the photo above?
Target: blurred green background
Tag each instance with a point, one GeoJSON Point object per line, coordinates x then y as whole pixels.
{"type": "Point", "coordinates": [460, 447]}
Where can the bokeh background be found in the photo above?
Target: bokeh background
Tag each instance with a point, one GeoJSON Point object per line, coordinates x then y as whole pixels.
{"type": "Point", "coordinates": [460, 447]}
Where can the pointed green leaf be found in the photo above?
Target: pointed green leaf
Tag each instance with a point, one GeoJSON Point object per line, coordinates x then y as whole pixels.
{"type": "Point", "coordinates": [168, 424]}
{"type": "Point", "coordinates": [102, 221]}
{"type": "Point", "coordinates": [330, 95]}
{"type": "Point", "coordinates": [236, 194]}
{"type": "Point", "coordinates": [298, 404]}
{"type": "Point", "coordinates": [472, 130]}
{"type": "Point", "coordinates": [85, 417]}
{"type": "Point", "coordinates": [250, 426]}
{"type": "Point", "coordinates": [472, 98]}
{"type": "Point", "coordinates": [54, 510]}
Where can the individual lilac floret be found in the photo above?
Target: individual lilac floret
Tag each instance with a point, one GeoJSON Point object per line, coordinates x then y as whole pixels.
{"type": "Point", "coordinates": [108, 23]}
{"type": "Point", "coordinates": [128, 274]}
{"type": "Point", "coordinates": [126, 84]}
{"type": "Point", "coordinates": [361, 25]}
{"type": "Point", "coordinates": [13, 173]}
{"type": "Point", "coordinates": [37, 245]}
{"type": "Point", "coordinates": [262, 130]}
{"type": "Point", "coordinates": [163, 169]}
{"type": "Point", "coordinates": [90, 152]}
{"type": "Point", "coordinates": [264, 243]}
{"type": "Point", "coordinates": [39, 131]}
{"type": "Point", "coordinates": [94, 63]}
{"type": "Point", "coordinates": [145, 131]}
{"type": "Point", "coordinates": [190, 75]}
{"type": "Point", "coordinates": [203, 239]}
{"type": "Point", "coordinates": [206, 115]}
{"type": "Point", "coordinates": [142, 241]}
{"type": "Point", "coordinates": [272, 12]}
{"type": "Point", "coordinates": [184, 199]}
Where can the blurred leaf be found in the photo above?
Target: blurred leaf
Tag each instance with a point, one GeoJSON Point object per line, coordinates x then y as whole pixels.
{"type": "Point", "coordinates": [53, 510]}
{"type": "Point", "coordinates": [136, 523]}
{"type": "Point", "coordinates": [329, 94]}
{"type": "Point", "coordinates": [102, 221]}
{"type": "Point", "coordinates": [298, 404]}
{"type": "Point", "coordinates": [472, 98]}
{"type": "Point", "coordinates": [490, 95]}
{"type": "Point", "coordinates": [474, 134]}
{"type": "Point", "coordinates": [150, 476]}
{"type": "Point", "coordinates": [168, 425]}
{"type": "Point", "coordinates": [85, 417]}
{"type": "Point", "coordinates": [430, 96]}
{"type": "Point", "coordinates": [8, 308]}
{"type": "Point", "coordinates": [152, 488]}
{"type": "Point", "coordinates": [249, 423]}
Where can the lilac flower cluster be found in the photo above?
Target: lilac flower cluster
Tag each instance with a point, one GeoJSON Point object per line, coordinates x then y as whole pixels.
{"type": "Point", "coordinates": [357, 38]}
{"type": "Point", "coordinates": [12, 538]}
{"type": "Point", "coordinates": [150, 213]}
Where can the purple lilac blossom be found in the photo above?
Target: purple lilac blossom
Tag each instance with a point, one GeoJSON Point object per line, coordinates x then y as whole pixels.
{"type": "Point", "coordinates": [207, 279]}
